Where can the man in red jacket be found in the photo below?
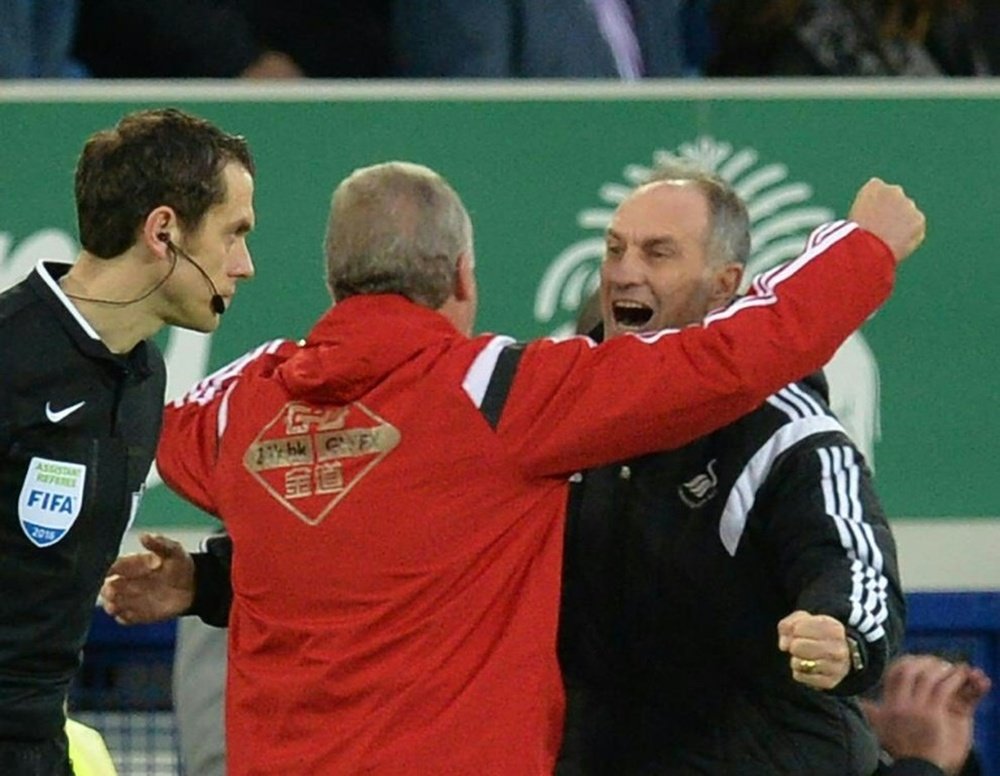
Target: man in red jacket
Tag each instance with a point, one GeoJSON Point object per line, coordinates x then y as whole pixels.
{"type": "Point", "coordinates": [395, 488]}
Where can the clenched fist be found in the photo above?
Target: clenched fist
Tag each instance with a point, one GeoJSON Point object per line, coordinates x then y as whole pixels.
{"type": "Point", "coordinates": [817, 645]}
{"type": "Point", "coordinates": [887, 212]}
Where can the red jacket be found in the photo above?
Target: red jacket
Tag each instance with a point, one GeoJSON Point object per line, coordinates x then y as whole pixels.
{"type": "Point", "coordinates": [397, 559]}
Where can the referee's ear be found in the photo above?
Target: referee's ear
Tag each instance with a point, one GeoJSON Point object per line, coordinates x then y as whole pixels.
{"type": "Point", "coordinates": [159, 230]}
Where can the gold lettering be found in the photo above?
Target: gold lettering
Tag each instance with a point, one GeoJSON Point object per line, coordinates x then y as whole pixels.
{"type": "Point", "coordinates": [279, 453]}
{"type": "Point", "coordinates": [300, 418]}
{"type": "Point", "coordinates": [329, 478]}
{"type": "Point", "coordinates": [354, 442]}
{"type": "Point", "coordinates": [298, 482]}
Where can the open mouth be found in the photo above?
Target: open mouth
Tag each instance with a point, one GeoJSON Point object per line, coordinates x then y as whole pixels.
{"type": "Point", "coordinates": [631, 315]}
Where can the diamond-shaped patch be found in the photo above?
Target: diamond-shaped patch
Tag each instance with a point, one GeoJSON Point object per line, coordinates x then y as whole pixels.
{"type": "Point", "coordinates": [308, 458]}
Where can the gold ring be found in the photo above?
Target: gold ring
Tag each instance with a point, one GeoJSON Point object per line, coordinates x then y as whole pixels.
{"type": "Point", "coordinates": [807, 666]}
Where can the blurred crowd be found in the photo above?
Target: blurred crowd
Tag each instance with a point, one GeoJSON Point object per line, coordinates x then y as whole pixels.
{"type": "Point", "coordinates": [627, 39]}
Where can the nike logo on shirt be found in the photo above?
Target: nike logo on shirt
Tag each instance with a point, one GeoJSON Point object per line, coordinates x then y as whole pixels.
{"type": "Point", "coordinates": [56, 415]}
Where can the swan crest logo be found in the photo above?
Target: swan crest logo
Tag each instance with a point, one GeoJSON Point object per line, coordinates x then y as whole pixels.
{"type": "Point", "coordinates": [186, 353]}
{"type": "Point", "coordinates": [701, 488]}
{"type": "Point", "coordinates": [781, 217]}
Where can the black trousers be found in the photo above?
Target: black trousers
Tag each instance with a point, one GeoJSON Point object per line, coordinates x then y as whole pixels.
{"type": "Point", "coordinates": [35, 758]}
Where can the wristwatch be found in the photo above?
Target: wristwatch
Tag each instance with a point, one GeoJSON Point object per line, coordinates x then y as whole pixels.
{"type": "Point", "coordinates": [854, 650]}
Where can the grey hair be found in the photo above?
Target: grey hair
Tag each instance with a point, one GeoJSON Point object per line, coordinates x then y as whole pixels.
{"type": "Point", "coordinates": [729, 227]}
{"type": "Point", "coordinates": [395, 228]}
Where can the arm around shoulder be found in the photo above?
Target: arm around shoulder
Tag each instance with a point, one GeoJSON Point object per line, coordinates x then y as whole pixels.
{"type": "Point", "coordinates": [636, 394]}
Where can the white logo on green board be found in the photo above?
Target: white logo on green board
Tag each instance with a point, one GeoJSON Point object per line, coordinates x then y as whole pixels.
{"type": "Point", "coordinates": [782, 215]}
{"type": "Point", "coordinates": [16, 262]}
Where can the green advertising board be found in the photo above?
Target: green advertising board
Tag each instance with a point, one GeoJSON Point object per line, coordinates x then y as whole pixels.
{"type": "Point", "coordinates": [541, 167]}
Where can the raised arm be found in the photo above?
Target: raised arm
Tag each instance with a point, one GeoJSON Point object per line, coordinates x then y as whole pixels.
{"type": "Point", "coordinates": [574, 405]}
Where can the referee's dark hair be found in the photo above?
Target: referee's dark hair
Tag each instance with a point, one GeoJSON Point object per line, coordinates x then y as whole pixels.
{"type": "Point", "coordinates": [149, 159]}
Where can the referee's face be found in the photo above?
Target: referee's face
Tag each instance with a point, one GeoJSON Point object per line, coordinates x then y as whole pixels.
{"type": "Point", "coordinates": [219, 247]}
{"type": "Point", "coordinates": [656, 274]}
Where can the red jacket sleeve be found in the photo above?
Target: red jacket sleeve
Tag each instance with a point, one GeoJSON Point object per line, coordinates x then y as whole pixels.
{"type": "Point", "coordinates": [193, 425]}
{"type": "Point", "coordinates": [574, 405]}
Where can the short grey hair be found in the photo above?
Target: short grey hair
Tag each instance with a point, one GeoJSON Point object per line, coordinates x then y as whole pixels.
{"type": "Point", "coordinates": [396, 228]}
{"type": "Point", "coordinates": [729, 224]}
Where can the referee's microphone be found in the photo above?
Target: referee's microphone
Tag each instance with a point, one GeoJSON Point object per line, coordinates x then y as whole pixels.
{"type": "Point", "coordinates": [217, 302]}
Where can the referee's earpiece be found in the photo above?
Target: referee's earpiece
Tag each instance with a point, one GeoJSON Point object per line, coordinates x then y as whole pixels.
{"type": "Point", "coordinates": [163, 237]}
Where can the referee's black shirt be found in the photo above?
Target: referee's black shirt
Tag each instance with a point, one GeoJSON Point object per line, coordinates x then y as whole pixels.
{"type": "Point", "coordinates": [78, 431]}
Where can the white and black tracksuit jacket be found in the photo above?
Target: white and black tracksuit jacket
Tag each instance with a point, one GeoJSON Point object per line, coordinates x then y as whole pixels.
{"type": "Point", "coordinates": [679, 566]}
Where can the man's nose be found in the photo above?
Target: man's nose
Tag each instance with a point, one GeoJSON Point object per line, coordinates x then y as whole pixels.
{"type": "Point", "coordinates": [244, 264]}
{"type": "Point", "coordinates": [623, 270]}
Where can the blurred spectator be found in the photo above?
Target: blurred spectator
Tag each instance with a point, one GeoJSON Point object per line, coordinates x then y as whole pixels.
{"type": "Point", "coordinates": [199, 688]}
{"type": "Point", "coordinates": [625, 39]}
{"type": "Point", "coordinates": [847, 38]}
{"type": "Point", "coordinates": [987, 18]}
{"type": "Point", "coordinates": [234, 38]}
{"type": "Point", "coordinates": [956, 39]}
{"type": "Point", "coordinates": [36, 37]}
{"type": "Point", "coordinates": [926, 714]}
